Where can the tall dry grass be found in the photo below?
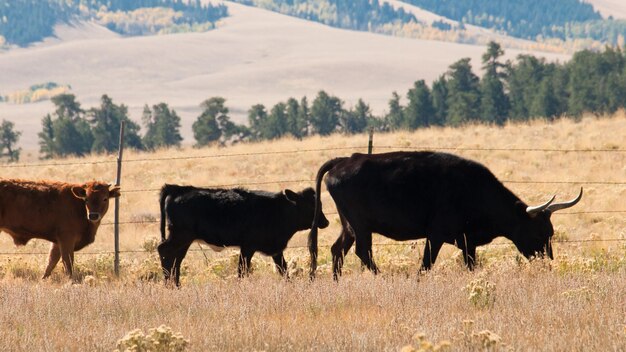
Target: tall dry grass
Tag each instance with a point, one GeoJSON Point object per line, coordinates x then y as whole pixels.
{"type": "Point", "coordinates": [576, 302]}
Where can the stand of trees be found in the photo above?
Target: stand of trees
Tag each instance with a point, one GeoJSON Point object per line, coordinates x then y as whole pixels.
{"type": "Point", "coordinates": [23, 22]}
{"type": "Point", "coordinates": [362, 15]}
{"type": "Point", "coordinates": [519, 18]}
{"type": "Point", "coordinates": [525, 89]}
{"type": "Point", "coordinates": [528, 88]}
{"type": "Point", "coordinates": [8, 140]}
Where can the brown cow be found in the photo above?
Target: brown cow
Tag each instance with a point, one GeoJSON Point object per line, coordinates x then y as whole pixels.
{"type": "Point", "coordinates": [68, 215]}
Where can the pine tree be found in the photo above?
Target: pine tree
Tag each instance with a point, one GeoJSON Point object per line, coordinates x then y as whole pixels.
{"type": "Point", "coordinates": [68, 133]}
{"type": "Point", "coordinates": [106, 121]}
{"type": "Point", "coordinates": [545, 103]}
{"type": "Point", "coordinates": [206, 128]}
{"type": "Point", "coordinates": [325, 113]}
{"type": "Point", "coordinates": [439, 98]}
{"type": "Point", "coordinates": [463, 95]}
{"type": "Point", "coordinates": [419, 111]}
{"type": "Point", "coordinates": [8, 140]}
{"type": "Point", "coordinates": [162, 125]}
{"type": "Point", "coordinates": [494, 104]}
{"type": "Point", "coordinates": [47, 149]}
{"type": "Point", "coordinates": [257, 121]}
{"type": "Point", "coordinates": [296, 121]}
{"type": "Point", "coordinates": [67, 107]}
{"type": "Point", "coordinates": [395, 117]}
{"type": "Point", "coordinates": [276, 125]}
{"type": "Point", "coordinates": [523, 80]}
{"type": "Point", "coordinates": [72, 137]}
{"type": "Point", "coordinates": [304, 117]}
{"type": "Point", "coordinates": [357, 119]}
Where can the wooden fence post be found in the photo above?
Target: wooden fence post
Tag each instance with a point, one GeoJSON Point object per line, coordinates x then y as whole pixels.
{"type": "Point", "coordinates": [117, 200]}
{"type": "Point", "coordinates": [370, 145]}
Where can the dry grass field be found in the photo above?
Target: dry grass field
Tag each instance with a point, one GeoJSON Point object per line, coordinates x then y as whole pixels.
{"type": "Point", "coordinates": [576, 302]}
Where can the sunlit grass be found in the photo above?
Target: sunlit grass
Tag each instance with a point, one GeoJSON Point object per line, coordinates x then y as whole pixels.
{"type": "Point", "coordinates": [575, 301]}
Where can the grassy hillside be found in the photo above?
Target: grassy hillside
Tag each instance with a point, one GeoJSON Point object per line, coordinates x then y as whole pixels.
{"type": "Point", "coordinates": [575, 301]}
{"type": "Point", "coordinates": [610, 8]}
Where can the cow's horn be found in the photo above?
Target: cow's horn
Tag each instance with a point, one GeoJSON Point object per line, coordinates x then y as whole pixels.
{"type": "Point", "coordinates": [539, 208]}
{"type": "Point", "coordinates": [565, 205]}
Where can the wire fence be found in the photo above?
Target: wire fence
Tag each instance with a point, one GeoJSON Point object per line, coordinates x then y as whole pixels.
{"type": "Point", "coordinates": [610, 183]}
{"type": "Point", "coordinates": [409, 244]}
{"type": "Point", "coordinates": [314, 150]}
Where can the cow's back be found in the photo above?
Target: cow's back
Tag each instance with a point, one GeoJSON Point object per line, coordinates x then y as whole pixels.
{"type": "Point", "coordinates": [223, 217]}
{"type": "Point", "coordinates": [403, 193]}
{"type": "Point", "coordinates": [32, 209]}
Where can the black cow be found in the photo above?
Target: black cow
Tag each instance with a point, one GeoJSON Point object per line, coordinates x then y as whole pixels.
{"type": "Point", "coordinates": [252, 220]}
{"type": "Point", "coordinates": [441, 197]}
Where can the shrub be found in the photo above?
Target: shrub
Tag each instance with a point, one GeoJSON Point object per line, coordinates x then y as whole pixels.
{"type": "Point", "coordinates": [481, 293]}
{"type": "Point", "coordinates": [160, 339]}
{"type": "Point", "coordinates": [150, 244]}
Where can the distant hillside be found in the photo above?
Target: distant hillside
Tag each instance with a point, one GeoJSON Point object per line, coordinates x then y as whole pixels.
{"type": "Point", "coordinates": [363, 15]}
{"type": "Point", "coordinates": [558, 25]}
{"type": "Point", "coordinates": [23, 22]}
{"type": "Point", "coordinates": [610, 8]}
{"type": "Point", "coordinates": [537, 20]}
{"type": "Point", "coordinates": [532, 19]}
{"type": "Point", "coordinates": [520, 18]}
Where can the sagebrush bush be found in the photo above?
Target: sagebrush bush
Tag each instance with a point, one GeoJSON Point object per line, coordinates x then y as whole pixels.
{"type": "Point", "coordinates": [467, 340]}
{"type": "Point", "coordinates": [481, 292]}
{"type": "Point", "coordinates": [161, 339]}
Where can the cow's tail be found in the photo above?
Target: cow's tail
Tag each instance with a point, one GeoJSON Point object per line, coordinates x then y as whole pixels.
{"type": "Point", "coordinates": [165, 190]}
{"type": "Point", "coordinates": [318, 208]}
{"type": "Point", "coordinates": [170, 191]}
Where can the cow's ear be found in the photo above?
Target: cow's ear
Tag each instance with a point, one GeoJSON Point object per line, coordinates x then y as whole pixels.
{"type": "Point", "coordinates": [114, 192]}
{"type": "Point", "coordinates": [79, 192]}
{"type": "Point", "coordinates": [291, 195]}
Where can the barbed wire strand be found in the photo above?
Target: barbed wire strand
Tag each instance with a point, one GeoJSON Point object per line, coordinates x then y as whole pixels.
{"type": "Point", "coordinates": [244, 184]}
{"type": "Point", "coordinates": [554, 150]}
{"type": "Point", "coordinates": [151, 222]}
{"type": "Point", "coordinates": [409, 244]}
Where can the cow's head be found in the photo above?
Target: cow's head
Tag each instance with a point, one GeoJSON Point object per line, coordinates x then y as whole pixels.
{"type": "Point", "coordinates": [305, 205]}
{"type": "Point", "coordinates": [534, 235]}
{"type": "Point", "coordinates": [96, 196]}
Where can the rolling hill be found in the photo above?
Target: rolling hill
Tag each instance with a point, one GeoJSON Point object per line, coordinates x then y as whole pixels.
{"type": "Point", "coordinates": [615, 8]}
{"type": "Point", "coordinates": [254, 56]}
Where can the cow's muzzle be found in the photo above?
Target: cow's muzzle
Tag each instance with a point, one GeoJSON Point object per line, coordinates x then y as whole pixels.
{"type": "Point", "coordinates": [93, 216]}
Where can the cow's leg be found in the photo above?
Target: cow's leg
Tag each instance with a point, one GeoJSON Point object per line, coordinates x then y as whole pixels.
{"type": "Point", "coordinates": [469, 251]}
{"type": "Point", "coordinates": [281, 264]}
{"type": "Point", "coordinates": [67, 253]}
{"type": "Point", "coordinates": [53, 259]}
{"type": "Point", "coordinates": [339, 250]}
{"type": "Point", "coordinates": [172, 251]}
{"type": "Point", "coordinates": [364, 250]}
{"type": "Point", "coordinates": [431, 250]}
{"type": "Point", "coordinates": [180, 255]}
{"type": "Point", "coordinates": [245, 258]}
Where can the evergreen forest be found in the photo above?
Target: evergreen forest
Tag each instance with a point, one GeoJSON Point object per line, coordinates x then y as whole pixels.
{"type": "Point", "coordinates": [532, 19]}
{"type": "Point", "coordinates": [362, 15]}
{"type": "Point", "coordinates": [527, 19]}
{"type": "Point", "coordinates": [23, 22]}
